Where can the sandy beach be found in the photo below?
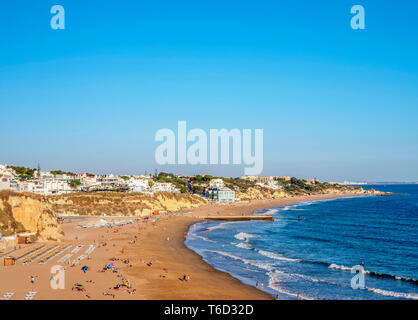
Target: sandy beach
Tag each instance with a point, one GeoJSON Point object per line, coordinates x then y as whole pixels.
{"type": "Point", "coordinates": [149, 260]}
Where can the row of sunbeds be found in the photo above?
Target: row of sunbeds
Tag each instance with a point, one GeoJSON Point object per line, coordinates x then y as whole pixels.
{"type": "Point", "coordinates": [54, 253]}
{"type": "Point", "coordinates": [29, 296]}
{"type": "Point", "coordinates": [28, 252]}
{"type": "Point", "coordinates": [39, 254]}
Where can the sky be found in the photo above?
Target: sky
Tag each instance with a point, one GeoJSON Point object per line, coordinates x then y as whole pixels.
{"type": "Point", "coordinates": [334, 103]}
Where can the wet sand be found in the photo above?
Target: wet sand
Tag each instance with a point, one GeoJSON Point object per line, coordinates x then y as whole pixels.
{"type": "Point", "coordinates": [151, 256]}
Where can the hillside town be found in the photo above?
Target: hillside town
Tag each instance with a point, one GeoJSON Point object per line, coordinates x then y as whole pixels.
{"type": "Point", "coordinates": [57, 182]}
{"type": "Point", "coordinates": [211, 188]}
{"type": "Point", "coordinates": [28, 197]}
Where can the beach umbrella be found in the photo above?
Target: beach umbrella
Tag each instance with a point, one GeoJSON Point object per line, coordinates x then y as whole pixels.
{"type": "Point", "coordinates": [85, 268]}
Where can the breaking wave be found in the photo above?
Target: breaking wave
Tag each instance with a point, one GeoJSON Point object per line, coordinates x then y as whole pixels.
{"type": "Point", "coordinates": [388, 293]}
{"type": "Point", "coordinates": [276, 256]}
{"type": "Point", "coordinates": [373, 273]}
{"type": "Point", "coordinates": [244, 236]}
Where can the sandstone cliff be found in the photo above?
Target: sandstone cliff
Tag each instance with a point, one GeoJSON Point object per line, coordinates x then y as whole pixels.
{"type": "Point", "coordinates": [254, 193]}
{"type": "Point", "coordinates": [21, 212]}
{"type": "Point", "coordinates": [29, 212]}
{"type": "Point", "coordinates": [117, 204]}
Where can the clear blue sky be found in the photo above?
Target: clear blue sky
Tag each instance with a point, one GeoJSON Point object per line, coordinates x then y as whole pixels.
{"type": "Point", "coordinates": [334, 103]}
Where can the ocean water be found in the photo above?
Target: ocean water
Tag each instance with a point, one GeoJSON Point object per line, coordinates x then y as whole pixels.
{"type": "Point", "coordinates": [310, 248]}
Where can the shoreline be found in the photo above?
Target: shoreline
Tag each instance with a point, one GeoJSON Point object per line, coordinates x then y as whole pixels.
{"type": "Point", "coordinates": [275, 203]}
{"type": "Point", "coordinates": [225, 286]}
{"type": "Point", "coordinates": [151, 254]}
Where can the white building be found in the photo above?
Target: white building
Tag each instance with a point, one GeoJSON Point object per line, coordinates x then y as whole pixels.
{"type": "Point", "coordinates": [6, 176]}
{"type": "Point", "coordinates": [108, 180]}
{"type": "Point", "coordinates": [264, 179]}
{"type": "Point", "coordinates": [164, 187]}
{"type": "Point", "coordinates": [138, 184]}
{"type": "Point", "coordinates": [226, 195]}
{"type": "Point", "coordinates": [216, 183]}
{"type": "Point", "coordinates": [44, 187]}
{"type": "Point", "coordinates": [87, 180]}
{"type": "Point", "coordinates": [270, 184]}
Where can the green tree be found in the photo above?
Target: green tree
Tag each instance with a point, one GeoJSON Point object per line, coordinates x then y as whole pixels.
{"type": "Point", "coordinates": [74, 183]}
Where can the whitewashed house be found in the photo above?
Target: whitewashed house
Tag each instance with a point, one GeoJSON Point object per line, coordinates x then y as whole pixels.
{"type": "Point", "coordinates": [164, 187]}
{"type": "Point", "coordinates": [216, 183]}
{"type": "Point", "coordinates": [138, 184]}
{"type": "Point", "coordinates": [270, 184]}
{"type": "Point", "coordinates": [108, 180]}
{"type": "Point", "coordinates": [6, 176]}
{"type": "Point", "coordinates": [45, 187]}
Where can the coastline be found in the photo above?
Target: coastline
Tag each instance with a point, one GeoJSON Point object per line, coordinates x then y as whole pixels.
{"type": "Point", "coordinates": [206, 282]}
{"type": "Point", "coordinates": [158, 259]}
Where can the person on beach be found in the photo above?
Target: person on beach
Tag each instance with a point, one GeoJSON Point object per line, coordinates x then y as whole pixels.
{"type": "Point", "coordinates": [256, 285]}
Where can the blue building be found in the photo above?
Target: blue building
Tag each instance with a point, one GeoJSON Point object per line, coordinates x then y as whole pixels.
{"type": "Point", "coordinates": [226, 195]}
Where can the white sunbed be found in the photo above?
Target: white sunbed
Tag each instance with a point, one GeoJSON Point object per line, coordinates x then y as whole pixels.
{"type": "Point", "coordinates": [75, 261]}
{"type": "Point", "coordinates": [54, 255]}
{"type": "Point", "coordinates": [30, 253]}
{"type": "Point", "coordinates": [76, 249]}
{"type": "Point", "coordinates": [30, 295]}
{"type": "Point", "coordinates": [7, 296]}
{"type": "Point", "coordinates": [64, 258]}
{"type": "Point", "coordinates": [90, 249]}
{"type": "Point", "coordinates": [41, 255]}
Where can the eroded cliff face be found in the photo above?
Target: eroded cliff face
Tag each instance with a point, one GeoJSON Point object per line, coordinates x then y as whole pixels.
{"type": "Point", "coordinates": [260, 194]}
{"type": "Point", "coordinates": [129, 204]}
{"type": "Point", "coordinates": [21, 212]}
{"type": "Point", "coordinates": [28, 212]}
{"type": "Point", "coordinates": [263, 193]}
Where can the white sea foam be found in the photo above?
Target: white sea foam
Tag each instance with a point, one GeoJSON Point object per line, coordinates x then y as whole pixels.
{"type": "Point", "coordinates": [292, 207]}
{"type": "Point", "coordinates": [270, 212]}
{"type": "Point", "coordinates": [244, 245]}
{"type": "Point", "coordinates": [218, 226]}
{"type": "Point", "coordinates": [275, 256]}
{"type": "Point", "coordinates": [258, 264]}
{"type": "Point", "coordinates": [274, 279]}
{"type": "Point", "coordinates": [203, 238]}
{"type": "Point", "coordinates": [373, 273]}
{"type": "Point", "coordinates": [388, 293]}
{"type": "Point", "coordinates": [244, 236]}
{"type": "Point", "coordinates": [339, 267]}
{"type": "Point", "coordinates": [297, 275]}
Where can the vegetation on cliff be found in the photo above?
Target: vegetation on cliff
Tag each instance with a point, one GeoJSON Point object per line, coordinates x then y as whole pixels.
{"type": "Point", "coordinates": [122, 204]}
{"type": "Point", "coordinates": [22, 172]}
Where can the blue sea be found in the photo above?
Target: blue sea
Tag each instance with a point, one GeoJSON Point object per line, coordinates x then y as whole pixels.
{"type": "Point", "coordinates": [310, 248]}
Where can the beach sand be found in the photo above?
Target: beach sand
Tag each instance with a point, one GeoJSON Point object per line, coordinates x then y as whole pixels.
{"type": "Point", "coordinates": [152, 258]}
